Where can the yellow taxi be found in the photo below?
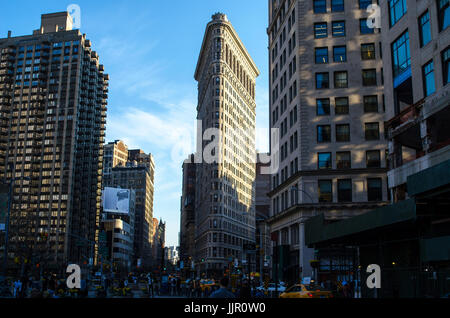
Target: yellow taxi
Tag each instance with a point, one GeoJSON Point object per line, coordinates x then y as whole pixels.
{"type": "Point", "coordinates": [306, 291]}
{"type": "Point", "coordinates": [207, 284]}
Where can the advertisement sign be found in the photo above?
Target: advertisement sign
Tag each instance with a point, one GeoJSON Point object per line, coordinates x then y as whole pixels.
{"type": "Point", "coordinates": [116, 200]}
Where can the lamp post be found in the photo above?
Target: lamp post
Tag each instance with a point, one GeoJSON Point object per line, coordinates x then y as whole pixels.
{"type": "Point", "coordinates": [5, 256]}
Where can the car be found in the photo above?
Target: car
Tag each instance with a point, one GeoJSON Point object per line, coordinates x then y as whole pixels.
{"type": "Point", "coordinates": [271, 287]}
{"type": "Point", "coordinates": [207, 284]}
{"type": "Point", "coordinates": [306, 291]}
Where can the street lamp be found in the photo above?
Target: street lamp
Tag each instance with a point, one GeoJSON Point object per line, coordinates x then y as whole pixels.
{"type": "Point", "coordinates": [5, 256]}
{"type": "Point", "coordinates": [296, 188]}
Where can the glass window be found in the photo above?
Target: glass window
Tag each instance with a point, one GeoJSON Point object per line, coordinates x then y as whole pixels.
{"type": "Point", "coordinates": [401, 55]}
{"type": "Point", "coordinates": [428, 79]}
{"type": "Point", "coordinates": [443, 13]}
{"type": "Point", "coordinates": [321, 55]}
{"type": "Point", "coordinates": [325, 191]}
{"type": "Point", "coordinates": [320, 6]}
{"type": "Point", "coordinates": [341, 105]}
{"type": "Point", "coordinates": [363, 4]}
{"type": "Point", "coordinates": [322, 80]}
{"type": "Point", "coordinates": [320, 30]}
{"type": "Point", "coordinates": [324, 160]}
{"type": "Point", "coordinates": [374, 189]}
{"type": "Point", "coordinates": [345, 190]}
{"type": "Point", "coordinates": [343, 160]}
{"type": "Point", "coordinates": [370, 104]}
{"type": "Point", "coordinates": [373, 159]}
{"type": "Point", "coordinates": [343, 133]}
{"type": "Point", "coordinates": [424, 28]}
{"type": "Point", "coordinates": [338, 28]}
{"type": "Point", "coordinates": [340, 54]}
{"type": "Point", "coordinates": [324, 133]}
{"type": "Point", "coordinates": [368, 51]}
{"type": "Point", "coordinates": [369, 77]}
{"type": "Point", "coordinates": [340, 79]}
{"type": "Point", "coordinates": [337, 5]}
{"type": "Point", "coordinates": [446, 65]}
{"type": "Point", "coordinates": [323, 106]}
{"type": "Point", "coordinates": [364, 28]}
{"type": "Point", "coordinates": [372, 131]}
{"type": "Point", "coordinates": [397, 9]}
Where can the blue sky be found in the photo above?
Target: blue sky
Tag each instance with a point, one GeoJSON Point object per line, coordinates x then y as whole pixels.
{"type": "Point", "coordinates": [150, 50]}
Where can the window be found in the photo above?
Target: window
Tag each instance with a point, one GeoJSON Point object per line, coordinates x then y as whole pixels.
{"type": "Point", "coordinates": [340, 79]}
{"type": "Point", "coordinates": [341, 105]}
{"type": "Point", "coordinates": [324, 133]}
{"type": "Point", "coordinates": [322, 80]}
{"type": "Point", "coordinates": [397, 9]}
{"type": "Point", "coordinates": [372, 131]}
{"type": "Point", "coordinates": [343, 160]}
{"type": "Point", "coordinates": [323, 106]}
{"type": "Point", "coordinates": [321, 55]}
{"type": "Point", "coordinates": [374, 189]}
{"type": "Point", "coordinates": [446, 65]}
{"type": "Point", "coordinates": [338, 28]}
{"type": "Point", "coordinates": [342, 133]}
{"type": "Point", "coordinates": [428, 79]}
{"type": "Point", "coordinates": [401, 56]}
{"type": "Point", "coordinates": [368, 51]}
{"type": "Point", "coordinates": [320, 6]}
{"type": "Point", "coordinates": [340, 54]}
{"type": "Point", "coordinates": [337, 5]}
{"type": "Point", "coordinates": [320, 30]}
{"type": "Point", "coordinates": [325, 191]}
{"type": "Point", "coordinates": [324, 160]}
{"type": "Point", "coordinates": [373, 159]}
{"type": "Point", "coordinates": [424, 28]}
{"type": "Point", "coordinates": [443, 14]}
{"type": "Point", "coordinates": [345, 190]}
{"type": "Point", "coordinates": [363, 4]}
{"type": "Point", "coordinates": [370, 104]}
{"type": "Point", "coordinates": [364, 27]}
{"type": "Point", "coordinates": [369, 77]}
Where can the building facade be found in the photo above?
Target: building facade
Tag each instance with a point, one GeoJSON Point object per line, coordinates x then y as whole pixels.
{"type": "Point", "coordinates": [119, 229]}
{"type": "Point", "coordinates": [262, 208]}
{"type": "Point", "coordinates": [115, 154]}
{"type": "Point", "coordinates": [326, 99]}
{"type": "Point", "coordinates": [187, 218]}
{"type": "Point", "coordinates": [137, 174]}
{"type": "Point", "coordinates": [225, 207]}
{"type": "Point", "coordinates": [409, 238]}
{"type": "Point", "coordinates": [416, 59]}
{"type": "Point", "coordinates": [53, 97]}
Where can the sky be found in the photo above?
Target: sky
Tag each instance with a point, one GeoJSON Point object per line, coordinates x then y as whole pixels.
{"type": "Point", "coordinates": [150, 50]}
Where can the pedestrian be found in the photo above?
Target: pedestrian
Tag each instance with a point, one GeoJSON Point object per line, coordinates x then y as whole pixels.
{"type": "Point", "coordinates": [178, 283]}
{"type": "Point", "coordinates": [150, 286]}
{"type": "Point", "coordinates": [223, 292]}
{"type": "Point", "coordinates": [245, 290]}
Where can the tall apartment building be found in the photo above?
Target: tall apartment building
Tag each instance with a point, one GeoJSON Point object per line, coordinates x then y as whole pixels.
{"type": "Point", "coordinates": [187, 215]}
{"type": "Point", "coordinates": [225, 207]}
{"type": "Point", "coordinates": [326, 99]}
{"type": "Point", "coordinates": [137, 173]}
{"type": "Point", "coordinates": [53, 96]}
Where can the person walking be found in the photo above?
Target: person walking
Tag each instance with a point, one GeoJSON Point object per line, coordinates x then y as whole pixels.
{"type": "Point", "coordinates": [222, 292]}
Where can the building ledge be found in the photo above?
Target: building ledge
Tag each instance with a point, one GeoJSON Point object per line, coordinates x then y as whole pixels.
{"type": "Point", "coordinates": [400, 175]}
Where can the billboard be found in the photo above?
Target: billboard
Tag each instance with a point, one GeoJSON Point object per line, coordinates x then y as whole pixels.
{"type": "Point", "coordinates": [116, 200]}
